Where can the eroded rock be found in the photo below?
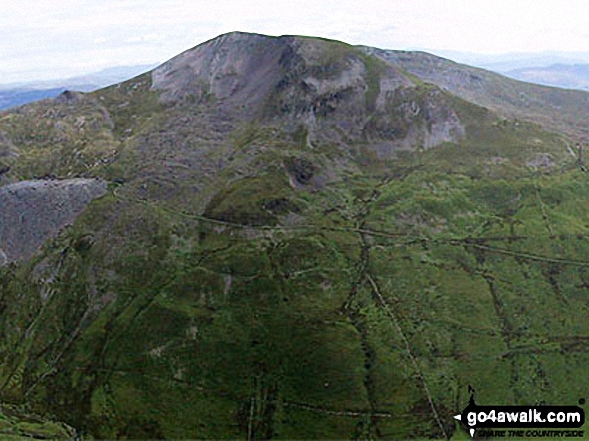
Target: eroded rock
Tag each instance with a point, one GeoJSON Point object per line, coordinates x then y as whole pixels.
{"type": "Point", "coordinates": [32, 212]}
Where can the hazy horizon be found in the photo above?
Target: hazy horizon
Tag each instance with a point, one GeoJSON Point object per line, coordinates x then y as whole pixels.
{"type": "Point", "coordinates": [512, 60]}
{"type": "Point", "coordinates": [65, 38]}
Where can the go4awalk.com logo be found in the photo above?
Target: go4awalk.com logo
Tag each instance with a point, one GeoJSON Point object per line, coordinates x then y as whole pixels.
{"type": "Point", "coordinates": [522, 421]}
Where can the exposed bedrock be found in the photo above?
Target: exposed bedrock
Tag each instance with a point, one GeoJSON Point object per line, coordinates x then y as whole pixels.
{"type": "Point", "coordinates": [32, 212]}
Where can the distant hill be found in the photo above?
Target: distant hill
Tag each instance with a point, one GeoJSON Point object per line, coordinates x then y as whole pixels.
{"type": "Point", "coordinates": [17, 97]}
{"type": "Point", "coordinates": [12, 95]}
{"type": "Point", "coordinates": [568, 70]}
{"type": "Point", "coordinates": [568, 76]}
{"type": "Point", "coordinates": [503, 63]}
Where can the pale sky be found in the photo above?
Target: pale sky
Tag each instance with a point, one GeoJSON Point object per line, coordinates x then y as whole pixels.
{"type": "Point", "coordinates": [59, 38]}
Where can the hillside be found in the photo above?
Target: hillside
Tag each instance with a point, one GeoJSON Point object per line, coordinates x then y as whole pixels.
{"type": "Point", "coordinates": [295, 238]}
{"type": "Point", "coordinates": [556, 109]}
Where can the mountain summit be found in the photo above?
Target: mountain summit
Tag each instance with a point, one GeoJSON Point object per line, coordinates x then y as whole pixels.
{"type": "Point", "coordinates": [326, 87]}
{"type": "Point", "coordinates": [292, 237]}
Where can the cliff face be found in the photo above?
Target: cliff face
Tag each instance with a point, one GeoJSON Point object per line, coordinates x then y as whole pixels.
{"type": "Point", "coordinates": [331, 89]}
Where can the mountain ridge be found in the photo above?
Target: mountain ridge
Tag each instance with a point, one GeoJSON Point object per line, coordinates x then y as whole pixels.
{"type": "Point", "coordinates": [506, 96]}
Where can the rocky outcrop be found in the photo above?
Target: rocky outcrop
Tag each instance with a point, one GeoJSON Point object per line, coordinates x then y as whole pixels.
{"type": "Point", "coordinates": [31, 212]}
{"type": "Point", "coordinates": [239, 69]}
{"type": "Point", "coordinates": [334, 91]}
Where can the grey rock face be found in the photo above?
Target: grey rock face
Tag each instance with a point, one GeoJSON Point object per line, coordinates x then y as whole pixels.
{"type": "Point", "coordinates": [239, 69]}
{"type": "Point", "coordinates": [326, 88]}
{"type": "Point", "coordinates": [32, 212]}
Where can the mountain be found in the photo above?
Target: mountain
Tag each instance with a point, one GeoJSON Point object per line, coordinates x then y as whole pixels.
{"type": "Point", "coordinates": [12, 95]}
{"type": "Point", "coordinates": [292, 237]}
{"type": "Point", "coordinates": [568, 76]}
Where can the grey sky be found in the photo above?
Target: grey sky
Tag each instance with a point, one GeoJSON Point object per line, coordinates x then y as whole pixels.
{"type": "Point", "coordinates": [59, 38]}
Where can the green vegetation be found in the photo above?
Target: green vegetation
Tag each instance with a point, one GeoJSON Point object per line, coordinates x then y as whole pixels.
{"type": "Point", "coordinates": [18, 425]}
{"type": "Point", "coordinates": [374, 70]}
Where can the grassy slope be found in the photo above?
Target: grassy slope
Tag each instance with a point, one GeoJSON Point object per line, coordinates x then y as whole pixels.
{"type": "Point", "coordinates": [336, 312]}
